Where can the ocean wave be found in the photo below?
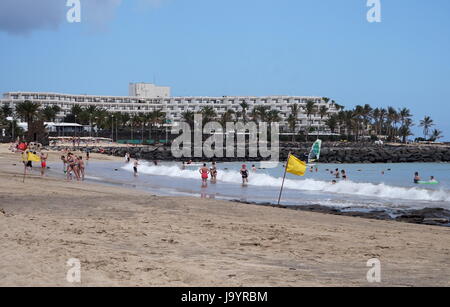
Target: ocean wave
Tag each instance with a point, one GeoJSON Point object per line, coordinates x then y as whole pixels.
{"type": "Point", "coordinates": [380, 190]}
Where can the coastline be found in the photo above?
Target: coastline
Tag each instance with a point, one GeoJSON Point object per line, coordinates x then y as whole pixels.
{"type": "Point", "coordinates": [131, 238]}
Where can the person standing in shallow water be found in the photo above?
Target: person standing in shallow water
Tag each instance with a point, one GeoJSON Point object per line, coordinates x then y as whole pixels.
{"type": "Point", "coordinates": [204, 171]}
{"type": "Point", "coordinates": [244, 174]}
{"type": "Point", "coordinates": [135, 167]}
{"type": "Point", "coordinates": [344, 174]}
{"type": "Point", "coordinates": [213, 172]}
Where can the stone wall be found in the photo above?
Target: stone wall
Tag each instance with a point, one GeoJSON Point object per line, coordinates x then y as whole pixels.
{"type": "Point", "coordinates": [331, 153]}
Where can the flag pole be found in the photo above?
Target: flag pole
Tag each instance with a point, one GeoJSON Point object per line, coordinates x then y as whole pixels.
{"type": "Point", "coordinates": [24, 168]}
{"type": "Point", "coordinates": [284, 177]}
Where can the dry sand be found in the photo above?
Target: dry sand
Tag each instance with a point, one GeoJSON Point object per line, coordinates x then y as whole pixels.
{"type": "Point", "coordinates": [130, 238]}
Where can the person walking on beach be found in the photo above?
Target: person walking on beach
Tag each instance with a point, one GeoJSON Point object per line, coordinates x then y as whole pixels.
{"type": "Point", "coordinates": [416, 177]}
{"type": "Point", "coordinates": [44, 158]}
{"type": "Point", "coordinates": [88, 151]}
{"type": "Point", "coordinates": [204, 171]}
{"type": "Point", "coordinates": [244, 174]}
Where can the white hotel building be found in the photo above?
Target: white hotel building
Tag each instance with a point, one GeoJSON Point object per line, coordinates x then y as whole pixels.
{"type": "Point", "coordinates": [172, 106]}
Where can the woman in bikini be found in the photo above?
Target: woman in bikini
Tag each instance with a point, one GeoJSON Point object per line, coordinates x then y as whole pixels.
{"type": "Point", "coordinates": [44, 158]}
{"type": "Point", "coordinates": [244, 174]}
{"type": "Point", "coordinates": [213, 172]}
{"type": "Point", "coordinates": [204, 171]}
{"type": "Point", "coordinates": [70, 165]}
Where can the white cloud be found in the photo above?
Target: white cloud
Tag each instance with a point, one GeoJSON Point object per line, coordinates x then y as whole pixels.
{"type": "Point", "coordinates": [26, 16]}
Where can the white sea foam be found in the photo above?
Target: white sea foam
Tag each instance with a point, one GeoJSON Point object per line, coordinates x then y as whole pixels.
{"type": "Point", "coordinates": [381, 190]}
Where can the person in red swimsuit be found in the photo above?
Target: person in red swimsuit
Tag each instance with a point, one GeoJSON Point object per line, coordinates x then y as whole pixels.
{"type": "Point", "coordinates": [204, 171]}
{"type": "Point", "coordinates": [44, 158]}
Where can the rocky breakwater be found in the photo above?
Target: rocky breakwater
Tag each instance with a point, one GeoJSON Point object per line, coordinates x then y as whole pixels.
{"type": "Point", "coordinates": [369, 153]}
{"type": "Point", "coordinates": [331, 153]}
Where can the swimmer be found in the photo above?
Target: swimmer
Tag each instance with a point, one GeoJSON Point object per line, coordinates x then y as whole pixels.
{"type": "Point", "coordinates": [337, 174]}
{"type": "Point", "coordinates": [254, 168]}
{"type": "Point", "coordinates": [333, 181]}
{"type": "Point", "coordinates": [432, 179]}
{"type": "Point", "coordinates": [416, 177]}
{"type": "Point", "coordinates": [344, 175]}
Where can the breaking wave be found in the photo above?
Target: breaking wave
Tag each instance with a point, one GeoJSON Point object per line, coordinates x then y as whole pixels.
{"type": "Point", "coordinates": [381, 190]}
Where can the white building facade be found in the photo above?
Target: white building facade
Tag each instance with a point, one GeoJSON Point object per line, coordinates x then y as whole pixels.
{"type": "Point", "coordinates": [148, 90]}
{"type": "Point", "coordinates": [174, 107]}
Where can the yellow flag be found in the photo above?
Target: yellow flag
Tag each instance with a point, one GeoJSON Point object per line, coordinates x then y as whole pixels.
{"type": "Point", "coordinates": [33, 157]}
{"type": "Point", "coordinates": [296, 166]}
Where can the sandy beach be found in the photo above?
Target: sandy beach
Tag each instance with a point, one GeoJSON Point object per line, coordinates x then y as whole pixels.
{"type": "Point", "coordinates": [126, 237]}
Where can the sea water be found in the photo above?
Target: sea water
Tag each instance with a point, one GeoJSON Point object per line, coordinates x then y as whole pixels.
{"type": "Point", "coordinates": [369, 186]}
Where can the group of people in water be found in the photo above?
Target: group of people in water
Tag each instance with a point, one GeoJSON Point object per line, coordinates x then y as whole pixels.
{"type": "Point", "coordinates": [205, 172]}
{"type": "Point", "coordinates": [418, 180]}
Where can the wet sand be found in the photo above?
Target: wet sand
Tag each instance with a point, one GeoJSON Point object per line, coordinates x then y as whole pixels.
{"type": "Point", "coordinates": [130, 238]}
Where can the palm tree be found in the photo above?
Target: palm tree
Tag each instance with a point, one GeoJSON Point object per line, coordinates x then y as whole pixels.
{"type": "Point", "coordinates": [6, 111]}
{"type": "Point", "coordinates": [332, 122]}
{"type": "Point", "coordinates": [366, 111]}
{"type": "Point", "coordinates": [381, 120]}
{"type": "Point", "coordinates": [27, 111]}
{"type": "Point", "coordinates": [208, 114]}
{"type": "Point", "coordinates": [404, 131]}
{"type": "Point", "coordinates": [392, 120]}
{"type": "Point", "coordinates": [260, 113]}
{"type": "Point", "coordinates": [436, 135]}
{"type": "Point", "coordinates": [323, 111]}
{"type": "Point", "coordinates": [188, 117]}
{"type": "Point", "coordinates": [357, 119]}
{"type": "Point", "coordinates": [49, 113]}
{"type": "Point", "coordinates": [244, 106]}
{"type": "Point", "coordinates": [157, 117]}
{"type": "Point", "coordinates": [426, 124]}
{"type": "Point", "coordinates": [310, 109]}
{"type": "Point", "coordinates": [227, 117]}
{"type": "Point", "coordinates": [292, 119]}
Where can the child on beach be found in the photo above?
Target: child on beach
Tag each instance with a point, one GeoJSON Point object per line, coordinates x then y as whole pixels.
{"type": "Point", "coordinates": [64, 161]}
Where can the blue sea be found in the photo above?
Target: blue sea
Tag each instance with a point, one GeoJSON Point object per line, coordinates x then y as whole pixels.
{"type": "Point", "coordinates": [369, 186]}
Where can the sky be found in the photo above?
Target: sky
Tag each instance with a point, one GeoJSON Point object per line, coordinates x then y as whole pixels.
{"type": "Point", "coordinates": [235, 47]}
